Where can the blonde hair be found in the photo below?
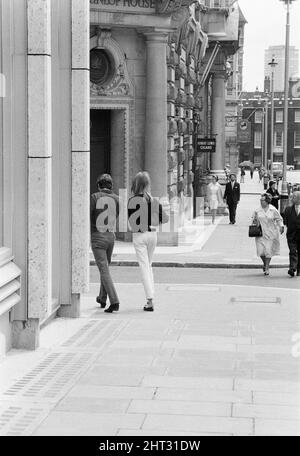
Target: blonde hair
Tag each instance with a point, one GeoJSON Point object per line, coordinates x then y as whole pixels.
{"type": "Point", "coordinates": [141, 183]}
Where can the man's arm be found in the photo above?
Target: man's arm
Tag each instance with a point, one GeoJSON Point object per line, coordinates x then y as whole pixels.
{"type": "Point", "coordinates": [92, 206]}
{"type": "Point", "coordinates": [225, 194]}
{"type": "Point", "coordinates": [285, 216]}
{"type": "Point", "coordinates": [239, 192]}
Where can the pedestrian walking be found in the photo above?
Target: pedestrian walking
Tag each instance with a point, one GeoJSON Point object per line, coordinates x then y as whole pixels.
{"type": "Point", "coordinates": [104, 212]}
{"type": "Point", "coordinates": [291, 219]}
{"type": "Point", "coordinates": [214, 195]}
{"type": "Point", "coordinates": [145, 213]}
{"type": "Point", "coordinates": [232, 197]}
{"type": "Point", "coordinates": [260, 174]}
{"type": "Point", "coordinates": [266, 178]}
{"type": "Point", "coordinates": [271, 222]}
{"type": "Point", "coordinates": [272, 190]}
{"type": "Point", "coordinates": [251, 172]}
{"type": "Point", "coordinates": [243, 172]}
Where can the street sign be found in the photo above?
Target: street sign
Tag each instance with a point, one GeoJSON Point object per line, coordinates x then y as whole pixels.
{"type": "Point", "coordinates": [244, 131]}
{"type": "Point", "coordinates": [206, 145]}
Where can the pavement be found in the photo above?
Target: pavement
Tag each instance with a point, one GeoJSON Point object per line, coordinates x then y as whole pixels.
{"type": "Point", "coordinates": [212, 246]}
{"type": "Point", "coordinates": [212, 359]}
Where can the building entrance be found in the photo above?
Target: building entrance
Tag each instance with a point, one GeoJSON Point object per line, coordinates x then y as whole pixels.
{"type": "Point", "coordinates": [100, 145]}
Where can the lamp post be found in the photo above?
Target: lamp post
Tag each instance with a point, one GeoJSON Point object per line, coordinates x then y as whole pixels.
{"type": "Point", "coordinates": [266, 135]}
{"type": "Point", "coordinates": [284, 188]}
{"type": "Point", "coordinates": [273, 66]}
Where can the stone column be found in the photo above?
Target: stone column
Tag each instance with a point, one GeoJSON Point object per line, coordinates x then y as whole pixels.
{"type": "Point", "coordinates": [80, 156]}
{"type": "Point", "coordinates": [156, 160]}
{"type": "Point", "coordinates": [39, 168]}
{"type": "Point", "coordinates": [218, 122]}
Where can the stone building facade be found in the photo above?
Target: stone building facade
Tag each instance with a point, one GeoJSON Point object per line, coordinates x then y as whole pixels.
{"type": "Point", "coordinates": [234, 90]}
{"type": "Point", "coordinates": [253, 109]}
{"type": "Point", "coordinates": [97, 86]}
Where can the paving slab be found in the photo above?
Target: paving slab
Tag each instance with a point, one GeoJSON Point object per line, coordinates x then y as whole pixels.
{"type": "Point", "coordinates": [242, 426]}
{"type": "Point", "coordinates": [265, 427]}
{"type": "Point", "coordinates": [180, 408]}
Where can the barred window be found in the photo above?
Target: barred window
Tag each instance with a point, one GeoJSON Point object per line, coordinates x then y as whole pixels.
{"type": "Point", "coordinates": [257, 139]}
{"type": "Point", "coordinates": [297, 115]}
{"type": "Point", "coordinates": [258, 116]}
{"type": "Point", "coordinates": [279, 116]}
{"type": "Point", "coordinates": [297, 139]}
{"type": "Point", "coordinates": [278, 138]}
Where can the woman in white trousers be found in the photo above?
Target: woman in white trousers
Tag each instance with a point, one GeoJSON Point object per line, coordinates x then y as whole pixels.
{"type": "Point", "coordinates": [144, 214]}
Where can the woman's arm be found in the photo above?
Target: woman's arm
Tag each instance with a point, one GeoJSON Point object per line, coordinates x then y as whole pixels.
{"type": "Point", "coordinates": [277, 218]}
{"type": "Point", "coordinates": [255, 218]}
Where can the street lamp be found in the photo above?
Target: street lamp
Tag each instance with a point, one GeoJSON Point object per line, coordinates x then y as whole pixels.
{"type": "Point", "coordinates": [284, 188]}
{"type": "Point", "coordinates": [273, 66]}
{"type": "Point", "coordinates": [266, 134]}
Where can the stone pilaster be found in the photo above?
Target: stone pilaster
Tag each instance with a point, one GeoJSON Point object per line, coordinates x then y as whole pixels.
{"type": "Point", "coordinates": [80, 156]}
{"type": "Point", "coordinates": [218, 122]}
{"type": "Point", "coordinates": [40, 159]}
{"type": "Point", "coordinates": [156, 158]}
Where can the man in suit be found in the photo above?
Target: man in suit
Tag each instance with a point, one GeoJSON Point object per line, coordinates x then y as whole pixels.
{"type": "Point", "coordinates": [291, 218]}
{"type": "Point", "coordinates": [232, 197]}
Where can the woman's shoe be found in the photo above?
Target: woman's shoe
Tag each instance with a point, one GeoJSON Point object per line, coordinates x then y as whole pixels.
{"type": "Point", "coordinates": [112, 308]}
{"type": "Point", "coordinates": [149, 306]}
{"type": "Point", "coordinates": [102, 304]}
{"type": "Point", "coordinates": [266, 273]}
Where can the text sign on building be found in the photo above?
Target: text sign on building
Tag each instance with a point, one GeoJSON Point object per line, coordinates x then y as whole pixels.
{"type": "Point", "coordinates": [244, 131]}
{"type": "Point", "coordinates": [133, 6]}
{"type": "Point", "coordinates": [206, 145]}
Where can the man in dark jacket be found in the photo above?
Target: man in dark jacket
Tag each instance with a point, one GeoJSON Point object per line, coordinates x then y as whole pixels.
{"type": "Point", "coordinates": [104, 212]}
{"type": "Point", "coordinates": [274, 193]}
{"type": "Point", "coordinates": [291, 218]}
{"type": "Point", "coordinates": [232, 197]}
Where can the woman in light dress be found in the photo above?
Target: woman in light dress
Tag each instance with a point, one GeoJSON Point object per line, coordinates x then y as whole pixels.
{"type": "Point", "coordinates": [268, 217]}
{"type": "Point", "coordinates": [214, 195]}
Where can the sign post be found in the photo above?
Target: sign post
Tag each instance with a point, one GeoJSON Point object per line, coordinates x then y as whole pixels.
{"type": "Point", "coordinates": [206, 145]}
{"type": "Point", "coordinates": [244, 131]}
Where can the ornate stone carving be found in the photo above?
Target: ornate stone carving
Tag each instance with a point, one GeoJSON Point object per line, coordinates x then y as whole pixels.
{"type": "Point", "coordinates": [119, 83]}
{"type": "Point", "coordinates": [172, 127]}
{"type": "Point", "coordinates": [170, 6]}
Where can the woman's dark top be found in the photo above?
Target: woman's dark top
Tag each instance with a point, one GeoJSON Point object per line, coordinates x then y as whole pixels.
{"type": "Point", "coordinates": [145, 212]}
{"type": "Point", "coordinates": [275, 196]}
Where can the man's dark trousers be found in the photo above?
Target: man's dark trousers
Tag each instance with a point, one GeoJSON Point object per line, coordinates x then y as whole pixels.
{"type": "Point", "coordinates": [232, 212]}
{"type": "Point", "coordinates": [102, 248]}
{"type": "Point", "coordinates": [294, 248]}
{"type": "Point", "coordinates": [232, 197]}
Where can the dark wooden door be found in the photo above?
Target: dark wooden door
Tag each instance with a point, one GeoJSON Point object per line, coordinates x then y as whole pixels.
{"type": "Point", "coordinates": [100, 145]}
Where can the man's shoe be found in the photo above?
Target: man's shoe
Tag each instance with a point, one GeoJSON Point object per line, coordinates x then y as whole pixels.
{"type": "Point", "coordinates": [102, 304]}
{"type": "Point", "coordinates": [291, 272]}
{"type": "Point", "coordinates": [112, 308]}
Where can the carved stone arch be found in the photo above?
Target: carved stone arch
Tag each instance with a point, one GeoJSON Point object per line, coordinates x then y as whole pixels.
{"type": "Point", "coordinates": [119, 84]}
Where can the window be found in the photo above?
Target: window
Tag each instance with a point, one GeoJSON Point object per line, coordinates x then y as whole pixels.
{"type": "Point", "coordinates": [297, 139]}
{"type": "Point", "coordinates": [279, 116]}
{"type": "Point", "coordinates": [297, 115]}
{"type": "Point", "coordinates": [278, 139]}
{"type": "Point", "coordinates": [257, 139]}
{"type": "Point", "coordinates": [258, 116]}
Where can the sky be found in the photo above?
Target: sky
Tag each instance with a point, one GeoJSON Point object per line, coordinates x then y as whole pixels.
{"type": "Point", "coordinates": [266, 27]}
